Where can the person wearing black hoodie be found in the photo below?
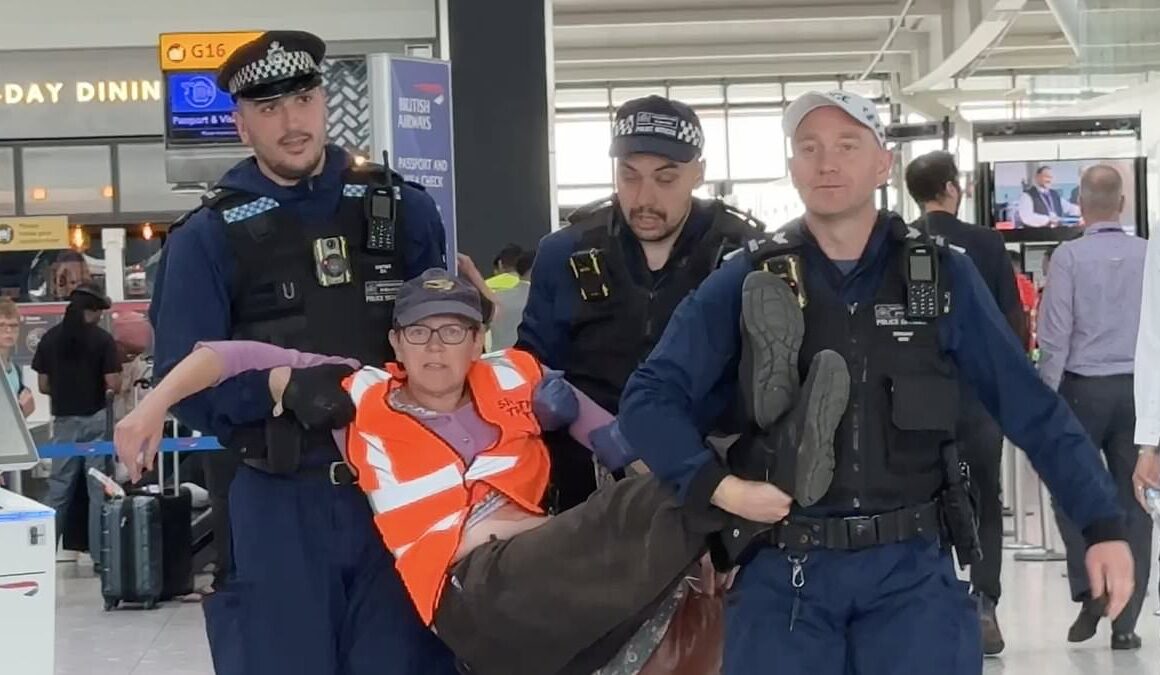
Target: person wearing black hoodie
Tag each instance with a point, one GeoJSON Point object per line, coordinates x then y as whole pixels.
{"type": "Point", "coordinates": [299, 247]}
{"type": "Point", "coordinates": [78, 365]}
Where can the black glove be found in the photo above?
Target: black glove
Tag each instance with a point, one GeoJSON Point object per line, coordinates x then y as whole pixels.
{"type": "Point", "coordinates": [316, 397]}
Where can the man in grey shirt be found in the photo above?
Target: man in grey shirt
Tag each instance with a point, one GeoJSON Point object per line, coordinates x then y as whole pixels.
{"type": "Point", "coordinates": [1087, 336]}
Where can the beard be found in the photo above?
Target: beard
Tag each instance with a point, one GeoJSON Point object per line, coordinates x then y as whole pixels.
{"type": "Point", "coordinates": [662, 232]}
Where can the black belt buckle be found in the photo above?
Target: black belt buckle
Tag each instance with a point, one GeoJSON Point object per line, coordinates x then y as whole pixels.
{"type": "Point", "coordinates": [862, 531]}
{"type": "Point", "coordinates": [341, 473]}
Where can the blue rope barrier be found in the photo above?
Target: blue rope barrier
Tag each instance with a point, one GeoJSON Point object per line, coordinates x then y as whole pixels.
{"type": "Point", "coordinates": [98, 448]}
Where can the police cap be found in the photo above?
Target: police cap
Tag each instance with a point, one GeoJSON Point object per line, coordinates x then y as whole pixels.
{"type": "Point", "coordinates": [657, 126]}
{"type": "Point", "coordinates": [275, 64]}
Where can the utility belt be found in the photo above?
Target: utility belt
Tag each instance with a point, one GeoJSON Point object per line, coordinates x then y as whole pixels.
{"type": "Point", "coordinates": [283, 448]}
{"type": "Point", "coordinates": [803, 533]}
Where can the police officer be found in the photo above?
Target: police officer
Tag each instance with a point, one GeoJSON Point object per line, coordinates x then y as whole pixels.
{"type": "Point", "coordinates": [603, 288]}
{"type": "Point", "coordinates": [861, 582]}
{"type": "Point", "coordinates": [933, 182]}
{"type": "Point", "coordinates": [297, 247]}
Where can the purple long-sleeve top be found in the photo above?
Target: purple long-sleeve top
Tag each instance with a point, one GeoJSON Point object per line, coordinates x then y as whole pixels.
{"type": "Point", "coordinates": [464, 430]}
{"type": "Point", "coordinates": [1090, 312]}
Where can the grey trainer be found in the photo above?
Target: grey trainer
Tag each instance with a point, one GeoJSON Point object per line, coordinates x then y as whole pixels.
{"type": "Point", "coordinates": [771, 336]}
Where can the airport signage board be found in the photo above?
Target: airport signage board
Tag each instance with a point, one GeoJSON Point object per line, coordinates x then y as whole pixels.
{"type": "Point", "coordinates": [200, 51]}
{"type": "Point", "coordinates": [33, 233]}
{"type": "Point", "coordinates": [421, 139]}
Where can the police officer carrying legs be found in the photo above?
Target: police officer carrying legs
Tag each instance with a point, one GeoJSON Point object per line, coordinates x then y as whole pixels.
{"type": "Point", "coordinates": [933, 182]}
{"type": "Point", "coordinates": [296, 247]}
{"type": "Point", "coordinates": [862, 581]}
{"type": "Point", "coordinates": [603, 288]}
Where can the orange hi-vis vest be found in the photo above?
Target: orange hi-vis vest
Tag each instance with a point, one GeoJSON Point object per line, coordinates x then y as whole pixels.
{"type": "Point", "coordinates": [420, 489]}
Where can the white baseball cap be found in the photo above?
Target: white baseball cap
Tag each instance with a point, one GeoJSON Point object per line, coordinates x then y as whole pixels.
{"type": "Point", "coordinates": [862, 110]}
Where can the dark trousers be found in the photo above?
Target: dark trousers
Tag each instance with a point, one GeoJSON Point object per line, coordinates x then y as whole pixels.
{"type": "Point", "coordinates": [1105, 407]}
{"type": "Point", "coordinates": [573, 472]}
{"type": "Point", "coordinates": [981, 447]}
{"type": "Point", "coordinates": [886, 610]}
{"type": "Point", "coordinates": [543, 602]}
{"type": "Point", "coordinates": [220, 469]}
{"type": "Point", "coordinates": [314, 590]}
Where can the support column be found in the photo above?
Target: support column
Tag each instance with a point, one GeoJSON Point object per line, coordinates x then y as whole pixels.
{"type": "Point", "coordinates": [502, 74]}
{"type": "Point", "coordinates": [113, 241]}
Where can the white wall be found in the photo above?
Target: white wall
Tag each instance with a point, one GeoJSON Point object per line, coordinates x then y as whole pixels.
{"type": "Point", "coordinates": [68, 24]}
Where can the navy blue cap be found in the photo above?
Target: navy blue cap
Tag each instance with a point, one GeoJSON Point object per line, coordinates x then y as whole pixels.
{"type": "Point", "coordinates": [275, 64]}
{"type": "Point", "coordinates": [435, 293]}
{"type": "Point", "coordinates": [656, 125]}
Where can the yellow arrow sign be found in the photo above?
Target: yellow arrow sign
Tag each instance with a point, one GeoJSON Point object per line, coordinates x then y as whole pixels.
{"type": "Point", "coordinates": [200, 51]}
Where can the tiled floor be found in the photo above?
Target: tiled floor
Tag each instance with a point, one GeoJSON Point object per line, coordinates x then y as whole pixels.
{"type": "Point", "coordinates": [1035, 614]}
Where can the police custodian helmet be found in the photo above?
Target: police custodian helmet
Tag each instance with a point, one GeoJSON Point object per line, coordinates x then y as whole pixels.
{"type": "Point", "coordinates": [275, 64]}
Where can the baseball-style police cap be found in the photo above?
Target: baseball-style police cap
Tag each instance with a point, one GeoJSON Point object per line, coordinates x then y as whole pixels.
{"type": "Point", "coordinates": [436, 293]}
{"type": "Point", "coordinates": [862, 110]}
{"type": "Point", "coordinates": [277, 63]}
{"type": "Point", "coordinates": [656, 125]}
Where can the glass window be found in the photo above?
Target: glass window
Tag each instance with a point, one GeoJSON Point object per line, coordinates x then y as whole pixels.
{"type": "Point", "coordinates": [795, 89]}
{"type": "Point", "coordinates": [759, 92]}
{"type": "Point", "coordinates": [582, 98]}
{"type": "Point", "coordinates": [68, 179]}
{"type": "Point", "coordinates": [705, 94]}
{"type": "Point", "coordinates": [867, 88]}
{"type": "Point", "coordinates": [582, 149]}
{"type": "Point", "coordinates": [7, 183]}
{"type": "Point", "coordinates": [715, 155]}
{"type": "Point", "coordinates": [142, 180]}
{"type": "Point", "coordinates": [756, 144]}
{"type": "Point", "coordinates": [571, 198]}
{"type": "Point", "coordinates": [622, 95]}
{"type": "Point", "coordinates": [773, 203]}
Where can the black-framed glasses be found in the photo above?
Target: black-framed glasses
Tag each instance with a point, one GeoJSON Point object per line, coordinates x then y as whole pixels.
{"type": "Point", "coordinates": [449, 334]}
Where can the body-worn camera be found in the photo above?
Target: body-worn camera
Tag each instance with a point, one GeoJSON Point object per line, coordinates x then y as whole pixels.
{"type": "Point", "coordinates": [332, 261]}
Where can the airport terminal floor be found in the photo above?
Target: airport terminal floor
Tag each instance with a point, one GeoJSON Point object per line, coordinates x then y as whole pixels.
{"type": "Point", "coordinates": [1035, 614]}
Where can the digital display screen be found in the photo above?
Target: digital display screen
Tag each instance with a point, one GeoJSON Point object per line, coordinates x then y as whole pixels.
{"type": "Point", "coordinates": [197, 111]}
{"type": "Point", "coordinates": [920, 268]}
{"type": "Point", "coordinates": [1045, 194]}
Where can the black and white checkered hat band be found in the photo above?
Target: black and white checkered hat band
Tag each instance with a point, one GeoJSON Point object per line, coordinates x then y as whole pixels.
{"type": "Point", "coordinates": [278, 65]}
{"type": "Point", "coordinates": [685, 132]}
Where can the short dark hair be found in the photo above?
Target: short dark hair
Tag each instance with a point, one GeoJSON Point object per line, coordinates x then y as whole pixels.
{"type": "Point", "coordinates": [928, 175]}
{"type": "Point", "coordinates": [508, 256]}
{"type": "Point", "coordinates": [525, 262]}
{"type": "Point", "coordinates": [1041, 169]}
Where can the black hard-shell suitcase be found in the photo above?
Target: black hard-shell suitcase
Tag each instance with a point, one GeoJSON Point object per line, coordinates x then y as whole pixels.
{"type": "Point", "coordinates": [131, 558]}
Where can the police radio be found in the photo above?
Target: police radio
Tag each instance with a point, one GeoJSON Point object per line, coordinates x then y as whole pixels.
{"type": "Point", "coordinates": [922, 300]}
{"type": "Point", "coordinates": [382, 213]}
{"type": "Point", "coordinates": [588, 268]}
{"type": "Point", "coordinates": [789, 269]}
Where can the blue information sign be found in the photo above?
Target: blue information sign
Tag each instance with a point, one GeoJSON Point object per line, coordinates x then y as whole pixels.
{"type": "Point", "coordinates": [196, 110]}
{"type": "Point", "coordinates": [421, 134]}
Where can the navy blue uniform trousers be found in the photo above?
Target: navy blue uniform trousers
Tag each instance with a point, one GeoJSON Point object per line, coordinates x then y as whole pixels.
{"type": "Point", "coordinates": [314, 590]}
{"type": "Point", "coordinates": [889, 610]}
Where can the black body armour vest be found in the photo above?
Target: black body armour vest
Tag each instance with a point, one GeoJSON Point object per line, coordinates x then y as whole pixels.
{"type": "Point", "coordinates": [610, 337]}
{"type": "Point", "coordinates": [277, 296]}
{"type": "Point", "coordinates": [904, 390]}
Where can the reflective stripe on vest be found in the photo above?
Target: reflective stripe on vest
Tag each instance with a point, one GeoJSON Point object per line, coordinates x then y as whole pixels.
{"type": "Point", "coordinates": [418, 486]}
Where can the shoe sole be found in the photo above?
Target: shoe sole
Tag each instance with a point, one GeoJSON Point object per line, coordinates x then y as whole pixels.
{"type": "Point", "coordinates": [771, 328]}
{"type": "Point", "coordinates": [827, 390]}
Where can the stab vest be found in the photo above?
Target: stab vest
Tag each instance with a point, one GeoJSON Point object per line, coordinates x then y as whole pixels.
{"type": "Point", "coordinates": [419, 488]}
{"type": "Point", "coordinates": [904, 391]}
{"type": "Point", "coordinates": [276, 296]}
{"type": "Point", "coordinates": [612, 336]}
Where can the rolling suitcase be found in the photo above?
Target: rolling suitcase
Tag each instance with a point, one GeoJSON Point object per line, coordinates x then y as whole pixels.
{"type": "Point", "coordinates": [131, 569]}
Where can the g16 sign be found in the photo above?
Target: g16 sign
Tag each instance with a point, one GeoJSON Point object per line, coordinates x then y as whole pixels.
{"type": "Point", "coordinates": [200, 51]}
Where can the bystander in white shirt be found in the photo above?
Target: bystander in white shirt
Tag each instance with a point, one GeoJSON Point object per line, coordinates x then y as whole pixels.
{"type": "Point", "coordinates": [1147, 380]}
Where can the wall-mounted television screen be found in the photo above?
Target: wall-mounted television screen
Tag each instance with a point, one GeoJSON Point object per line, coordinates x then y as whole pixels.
{"type": "Point", "coordinates": [1042, 195]}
